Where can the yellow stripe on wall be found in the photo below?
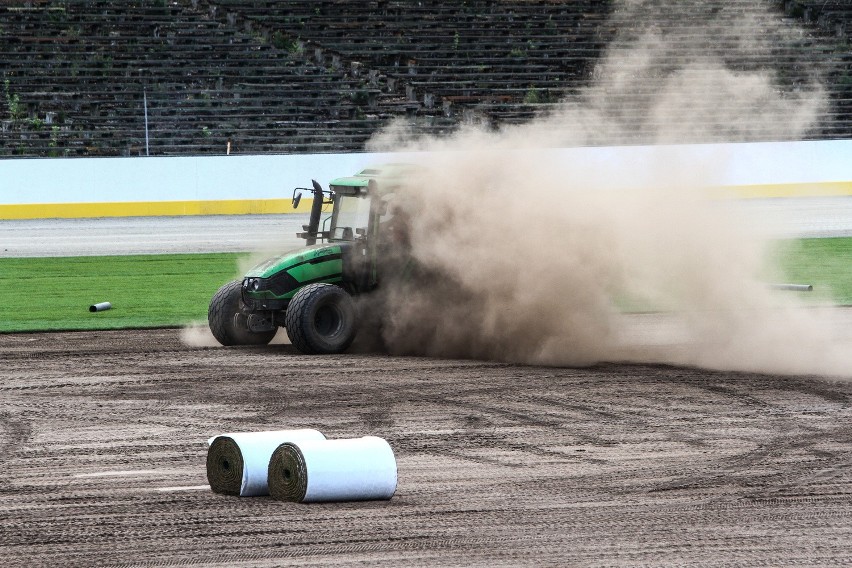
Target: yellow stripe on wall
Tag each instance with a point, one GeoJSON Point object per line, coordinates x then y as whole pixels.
{"type": "Point", "coordinates": [151, 209]}
{"type": "Point", "coordinates": [768, 191]}
{"type": "Point", "coordinates": [279, 206]}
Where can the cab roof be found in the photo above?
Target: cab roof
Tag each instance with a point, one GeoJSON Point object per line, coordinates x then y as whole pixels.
{"type": "Point", "coordinates": [384, 171]}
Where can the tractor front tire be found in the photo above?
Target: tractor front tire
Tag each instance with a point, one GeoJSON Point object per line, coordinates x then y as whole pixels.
{"type": "Point", "coordinates": [320, 319]}
{"type": "Point", "coordinates": [224, 306]}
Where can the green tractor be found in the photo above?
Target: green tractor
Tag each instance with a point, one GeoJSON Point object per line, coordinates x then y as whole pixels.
{"type": "Point", "coordinates": [310, 290]}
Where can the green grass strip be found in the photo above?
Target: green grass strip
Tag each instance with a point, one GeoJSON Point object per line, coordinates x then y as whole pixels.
{"type": "Point", "coordinates": [824, 263]}
{"type": "Point", "coordinates": [49, 294]}
{"type": "Point", "coordinates": [52, 294]}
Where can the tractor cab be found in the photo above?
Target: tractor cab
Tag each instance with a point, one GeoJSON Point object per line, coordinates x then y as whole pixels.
{"type": "Point", "coordinates": [351, 214]}
{"type": "Point", "coordinates": [357, 205]}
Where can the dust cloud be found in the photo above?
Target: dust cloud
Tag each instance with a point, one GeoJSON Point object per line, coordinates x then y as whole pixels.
{"type": "Point", "coordinates": [526, 254]}
{"type": "Point", "coordinates": [198, 334]}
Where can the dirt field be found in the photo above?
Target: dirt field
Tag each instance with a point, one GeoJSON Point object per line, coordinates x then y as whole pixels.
{"type": "Point", "coordinates": [104, 460]}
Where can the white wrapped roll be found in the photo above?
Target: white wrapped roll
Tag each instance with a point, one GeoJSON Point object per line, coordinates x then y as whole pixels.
{"type": "Point", "coordinates": [355, 469]}
{"type": "Point", "coordinates": [100, 307]}
{"type": "Point", "coordinates": [237, 462]}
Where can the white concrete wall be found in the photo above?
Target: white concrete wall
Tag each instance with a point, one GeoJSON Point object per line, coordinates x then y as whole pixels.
{"type": "Point", "coordinates": [713, 165]}
{"type": "Point", "coordinates": [98, 180]}
{"type": "Point", "coordinates": [267, 177]}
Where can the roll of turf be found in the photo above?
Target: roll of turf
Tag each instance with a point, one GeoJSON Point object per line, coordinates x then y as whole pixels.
{"type": "Point", "coordinates": [237, 463]}
{"type": "Point", "coordinates": [355, 469]}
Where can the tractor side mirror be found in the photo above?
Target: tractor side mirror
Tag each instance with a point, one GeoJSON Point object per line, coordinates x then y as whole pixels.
{"type": "Point", "coordinates": [297, 198]}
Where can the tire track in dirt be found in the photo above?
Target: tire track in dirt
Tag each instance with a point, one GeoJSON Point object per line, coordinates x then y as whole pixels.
{"type": "Point", "coordinates": [794, 447]}
{"type": "Point", "coordinates": [15, 431]}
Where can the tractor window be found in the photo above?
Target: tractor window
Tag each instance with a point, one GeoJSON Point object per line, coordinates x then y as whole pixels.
{"type": "Point", "coordinates": [350, 213]}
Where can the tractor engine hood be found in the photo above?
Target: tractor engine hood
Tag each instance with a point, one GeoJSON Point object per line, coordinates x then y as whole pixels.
{"type": "Point", "coordinates": [281, 277]}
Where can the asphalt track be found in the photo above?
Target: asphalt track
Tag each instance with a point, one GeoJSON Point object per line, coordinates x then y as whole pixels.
{"type": "Point", "coordinates": [149, 235]}
{"type": "Point", "coordinates": [103, 455]}
{"type": "Point", "coordinates": [801, 217]}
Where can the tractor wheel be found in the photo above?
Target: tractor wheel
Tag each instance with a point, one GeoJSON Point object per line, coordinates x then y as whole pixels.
{"type": "Point", "coordinates": [226, 304]}
{"type": "Point", "coordinates": [320, 319]}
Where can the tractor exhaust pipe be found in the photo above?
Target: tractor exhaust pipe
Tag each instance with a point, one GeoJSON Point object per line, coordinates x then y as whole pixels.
{"type": "Point", "coordinates": [316, 212]}
{"type": "Point", "coordinates": [311, 230]}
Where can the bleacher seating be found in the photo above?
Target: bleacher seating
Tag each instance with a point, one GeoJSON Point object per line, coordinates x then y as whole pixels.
{"type": "Point", "coordinates": [79, 76]}
{"type": "Point", "coordinates": [257, 76]}
{"type": "Point", "coordinates": [834, 19]}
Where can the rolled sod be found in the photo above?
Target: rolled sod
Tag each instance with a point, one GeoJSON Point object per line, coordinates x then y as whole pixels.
{"type": "Point", "coordinates": [287, 467]}
{"type": "Point", "coordinates": [237, 463]}
{"type": "Point", "coordinates": [225, 466]}
{"type": "Point", "coordinates": [355, 469]}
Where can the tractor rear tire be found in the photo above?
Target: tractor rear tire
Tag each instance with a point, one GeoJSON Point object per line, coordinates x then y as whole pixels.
{"type": "Point", "coordinates": [321, 319]}
{"type": "Point", "coordinates": [224, 306]}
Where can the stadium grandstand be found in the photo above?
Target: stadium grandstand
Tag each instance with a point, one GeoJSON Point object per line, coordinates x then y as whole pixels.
{"type": "Point", "coordinates": [197, 77]}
